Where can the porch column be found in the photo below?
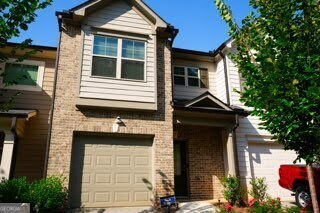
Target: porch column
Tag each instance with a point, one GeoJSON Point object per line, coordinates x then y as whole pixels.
{"type": "Point", "coordinates": [7, 153]}
{"type": "Point", "coordinates": [229, 152]}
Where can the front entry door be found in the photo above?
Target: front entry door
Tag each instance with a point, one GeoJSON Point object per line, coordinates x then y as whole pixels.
{"type": "Point", "coordinates": [180, 169]}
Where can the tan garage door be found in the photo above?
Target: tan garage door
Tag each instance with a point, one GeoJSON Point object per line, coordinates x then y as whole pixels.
{"type": "Point", "coordinates": [111, 171]}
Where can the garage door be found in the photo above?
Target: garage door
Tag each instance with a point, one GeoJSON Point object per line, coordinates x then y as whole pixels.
{"type": "Point", "coordinates": [265, 160]}
{"type": "Point", "coordinates": [111, 171]}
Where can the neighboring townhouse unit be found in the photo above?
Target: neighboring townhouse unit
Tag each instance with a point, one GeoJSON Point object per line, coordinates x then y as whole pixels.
{"type": "Point", "coordinates": [258, 154]}
{"type": "Point", "coordinates": [134, 119]}
{"type": "Point", "coordinates": [24, 128]}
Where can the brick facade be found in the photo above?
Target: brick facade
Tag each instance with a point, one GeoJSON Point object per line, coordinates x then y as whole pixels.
{"type": "Point", "coordinates": [205, 159]}
{"type": "Point", "coordinates": [68, 119]}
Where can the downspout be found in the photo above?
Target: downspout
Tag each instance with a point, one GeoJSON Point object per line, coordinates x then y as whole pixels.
{"type": "Point", "coordinates": [174, 32]}
{"type": "Point", "coordinates": [225, 66]}
{"type": "Point", "coordinates": [235, 147]}
{"type": "Point", "coordinates": [235, 127]}
{"type": "Point", "coordinates": [53, 97]}
{"type": "Point", "coordinates": [15, 147]}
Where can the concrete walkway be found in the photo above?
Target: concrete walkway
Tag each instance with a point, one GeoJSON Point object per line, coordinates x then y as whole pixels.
{"type": "Point", "coordinates": [194, 207]}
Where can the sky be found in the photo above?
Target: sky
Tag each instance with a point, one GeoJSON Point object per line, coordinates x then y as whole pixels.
{"type": "Point", "coordinates": [200, 25]}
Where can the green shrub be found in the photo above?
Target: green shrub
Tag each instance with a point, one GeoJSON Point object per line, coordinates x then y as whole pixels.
{"type": "Point", "coordinates": [294, 209]}
{"type": "Point", "coordinates": [49, 195]}
{"type": "Point", "coordinates": [14, 191]}
{"type": "Point", "coordinates": [46, 195]}
{"type": "Point", "coordinates": [269, 206]}
{"type": "Point", "coordinates": [258, 189]}
{"type": "Point", "coordinates": [233, 191]}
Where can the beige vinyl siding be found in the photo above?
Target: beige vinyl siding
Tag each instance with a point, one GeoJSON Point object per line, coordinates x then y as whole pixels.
{"type": "Point", "coordinates": [234, 83]}
{"type": "Point", "coordinates": [187, 92]}
{"type": "Point", "coordinates": [253, 155]}
{"type": "Point", "coordinates": [119, 16]}
{"type": "Point", "coordinates": [248, 126]}
{"type": "Point", "coordinates": [221, 82]}
{"type": "Point", "coordinates": [32, 144]}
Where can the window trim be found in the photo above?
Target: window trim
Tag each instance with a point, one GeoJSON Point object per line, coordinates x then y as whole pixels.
{"type": "Point", "coordinates": [186, 76]}
{"type": "Point", "coordinates": [119, 58]}
{"type": "Point", "coordinates": [41, 68]}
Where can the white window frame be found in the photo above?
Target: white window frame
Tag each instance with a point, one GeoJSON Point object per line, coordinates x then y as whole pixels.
{"type": "Point", "coordinates": [36, 88]}
{"type": "Point", "coordinates": [119, 58]}
{"type": "Point", "coordinates": [186, 76]}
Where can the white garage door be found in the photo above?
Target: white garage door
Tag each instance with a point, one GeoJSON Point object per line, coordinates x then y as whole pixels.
{"type": "Point", "coordinates": [111, 171]}
{"type": "Point", "coordinates": [265, 160]}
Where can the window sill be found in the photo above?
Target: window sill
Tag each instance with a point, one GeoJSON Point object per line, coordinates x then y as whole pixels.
{"type": "Point", "coordinates": [118, 79]}
{"type": "Point", "coordinates": [121, 105]}
{"type": "Point", "coordinates": [195, 87]}
{"type": "Point", "coordinates": [22, 88]}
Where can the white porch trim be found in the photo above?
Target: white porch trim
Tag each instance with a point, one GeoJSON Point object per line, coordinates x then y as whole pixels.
{"type": "Point", "coordinates": [7, 154]}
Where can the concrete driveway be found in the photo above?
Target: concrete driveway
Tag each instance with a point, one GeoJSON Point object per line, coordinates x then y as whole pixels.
{"type": "Point", "coordinates": [194, 207]}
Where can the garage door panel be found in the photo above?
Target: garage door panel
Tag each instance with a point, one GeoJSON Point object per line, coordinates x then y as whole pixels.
{"type": "Point", "coordinates": [109, 172]}
{"type": "Point", "coordinates": [141, 196]}
{"type": "Point", "coordinates": [104, 179]}
{"type": "Point", "coordinates": [104, 160]}
{"type": "Point", "coordinates": [102, 197]}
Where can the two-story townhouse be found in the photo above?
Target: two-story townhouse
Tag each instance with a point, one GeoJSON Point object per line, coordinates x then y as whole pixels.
{"type": "Point", "coordinates": [121, 133]}
{"type": "Point", "coordinates": [112, 130]}
{"type": "Point", "coordinates": [24, 128]}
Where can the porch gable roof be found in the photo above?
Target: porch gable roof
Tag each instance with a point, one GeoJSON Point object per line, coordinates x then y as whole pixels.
{"type": "Point", "coordinates": [91, 6]}
{"type": "Point", "coordinates": [208, 103]}
{"type": "Point", "coordinates": [19, 113]}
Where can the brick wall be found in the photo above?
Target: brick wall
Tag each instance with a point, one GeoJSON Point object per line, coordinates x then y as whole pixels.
{"type": "Point", "coordinates": [69, 119]}
{"type": "Point", "coordinates": [205, 159]}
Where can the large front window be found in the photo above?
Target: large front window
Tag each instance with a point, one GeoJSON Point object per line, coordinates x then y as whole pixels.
{"type": "Point", "coordinates": [119, 58]}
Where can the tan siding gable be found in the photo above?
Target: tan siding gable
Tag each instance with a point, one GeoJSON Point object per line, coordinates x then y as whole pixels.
{"type": "Point", "coordinates": [118, 19]}
{"type": "Point", "coordinates": [121, 17]}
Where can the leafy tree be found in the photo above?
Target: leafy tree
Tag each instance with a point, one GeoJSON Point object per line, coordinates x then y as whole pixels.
{"type": "Point", "coordinates": [278, 53]}
{"type": "Point", "coordinates": [15, 16]}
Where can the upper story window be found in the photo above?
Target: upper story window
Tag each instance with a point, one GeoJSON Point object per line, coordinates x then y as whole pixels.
{"type": "Point", "coordinates": [25, 75]}
{"type": "Point", "coordinates": [119, 58]}
{"type": "Point", "coordinates": [189, 76]}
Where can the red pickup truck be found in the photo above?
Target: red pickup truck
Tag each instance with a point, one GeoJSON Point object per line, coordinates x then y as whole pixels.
{"type": "Point", "coordinates": [295, 179]}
